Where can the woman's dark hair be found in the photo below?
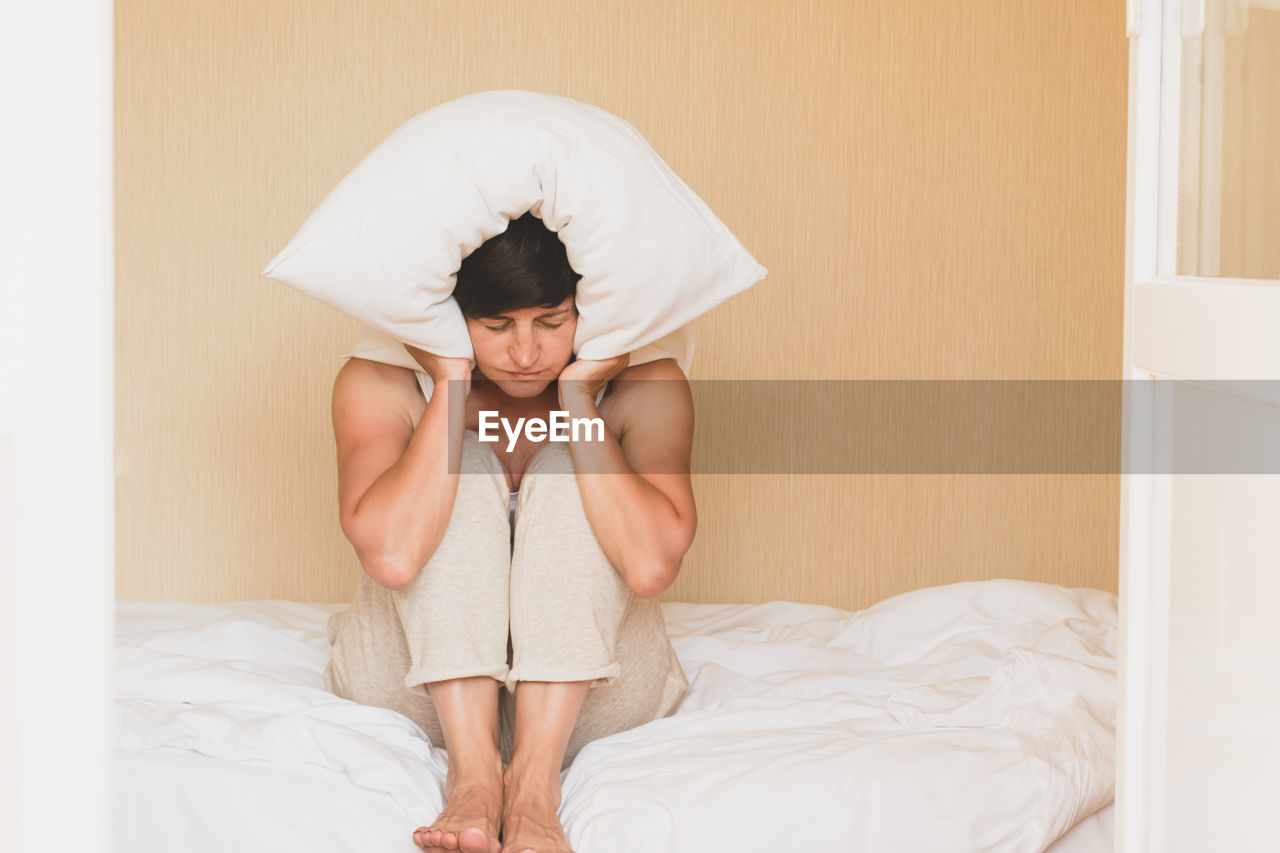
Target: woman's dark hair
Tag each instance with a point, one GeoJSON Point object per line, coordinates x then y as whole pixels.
{"type": "Point", "coordinates": [523, 267]}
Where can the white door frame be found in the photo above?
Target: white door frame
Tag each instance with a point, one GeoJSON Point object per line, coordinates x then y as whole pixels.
{"type": "Point", "coordinates": [1176, 327]}
{"type": "Point", "coordinates": [57, 471]}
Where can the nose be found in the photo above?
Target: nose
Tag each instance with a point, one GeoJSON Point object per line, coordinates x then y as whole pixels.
{"type": "Point", "coordinates": [524, 351]}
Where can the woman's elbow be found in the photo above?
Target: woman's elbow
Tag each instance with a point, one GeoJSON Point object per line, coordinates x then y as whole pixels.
{"type": "Point", "coordinates": [386, 565]}
{"type": "Point", "coordinates": [653, 581]}
{"type": "Point", "coordinates": [387, 569]}
{"type": "Point", "coordinates": [396, 578]}
{"type": "Point", "coordinates": [659, 571]}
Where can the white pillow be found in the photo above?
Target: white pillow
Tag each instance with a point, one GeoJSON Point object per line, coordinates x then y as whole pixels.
{"type": "Point", "coordinates": [385, 246]}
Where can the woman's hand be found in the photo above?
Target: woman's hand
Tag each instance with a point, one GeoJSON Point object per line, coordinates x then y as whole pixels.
{"type": "Point", "coordinates": [586, 378]}
{"type": "Point", "coordinates": [442, 369]}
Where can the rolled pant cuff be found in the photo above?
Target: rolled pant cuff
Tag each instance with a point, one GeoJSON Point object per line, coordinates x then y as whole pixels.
{"type": "Point", "coordinates": [599, 676]}
{"type": "Point", "coordinates": [417, 677]}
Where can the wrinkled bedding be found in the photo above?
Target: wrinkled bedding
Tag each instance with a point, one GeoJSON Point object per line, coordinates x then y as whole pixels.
{"type": "Point", "coordinates": [967, 717]}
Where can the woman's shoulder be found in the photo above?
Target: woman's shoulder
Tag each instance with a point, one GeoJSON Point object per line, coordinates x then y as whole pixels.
{"type": "Point", "coordinates": [366, 371]}
{"type": "Point", "coordinates": [645, 389]}
{"type": "Point", "coordinates": [663, 368]}
{"type": "Point", "coordinates": [375, 382]}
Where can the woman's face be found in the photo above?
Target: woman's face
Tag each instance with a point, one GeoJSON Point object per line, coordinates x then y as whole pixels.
{"type": "Point", "coordinates": [524, 351]}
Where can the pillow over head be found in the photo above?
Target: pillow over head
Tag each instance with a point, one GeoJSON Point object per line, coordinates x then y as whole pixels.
{"type": "Point", "coordinates": [386, 244]}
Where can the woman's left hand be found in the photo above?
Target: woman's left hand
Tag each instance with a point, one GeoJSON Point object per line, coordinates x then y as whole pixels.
{"type": "Point", "coordinates": [588, 377]}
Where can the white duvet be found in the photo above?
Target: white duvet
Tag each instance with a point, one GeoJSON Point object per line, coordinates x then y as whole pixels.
{"type": "Point", "coordinates": [967, 717]}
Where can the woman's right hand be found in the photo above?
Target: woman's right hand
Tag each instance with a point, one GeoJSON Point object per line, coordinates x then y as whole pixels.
{"type": "Point", "coordinates": [442, 369]}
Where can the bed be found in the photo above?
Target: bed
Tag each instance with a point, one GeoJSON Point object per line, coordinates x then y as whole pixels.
{"type": "Point", "coordinates": [975, 716]}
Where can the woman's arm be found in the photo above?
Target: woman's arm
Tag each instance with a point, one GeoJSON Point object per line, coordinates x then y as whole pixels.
{"type": "Point", "coordinates": [395, 489]}
{"type": "Point", "coordinates": [643, 515]}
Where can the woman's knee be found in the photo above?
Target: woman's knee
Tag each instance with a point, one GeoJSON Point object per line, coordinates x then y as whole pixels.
{"type": "Point", "coordinates": [551, 471]}
{"type": "Point", "coordinates": [556, 551]}
{"type": "Point", "coordinates": [474, 548]}
{"type": "Point", "coordinates": [480, 471]}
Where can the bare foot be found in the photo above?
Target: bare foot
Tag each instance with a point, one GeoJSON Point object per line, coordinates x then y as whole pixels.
{"type": "Point", "coordinates": [529, 820]}
{"type": "Point", "coordinates": [470, 820]}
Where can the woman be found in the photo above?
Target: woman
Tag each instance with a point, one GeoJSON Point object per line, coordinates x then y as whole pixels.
{"type": "Point", "coordinates": [488, 566]}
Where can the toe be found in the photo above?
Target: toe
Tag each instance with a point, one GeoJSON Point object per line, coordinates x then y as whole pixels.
{"type": "Point", "coordinates": [473, 840]}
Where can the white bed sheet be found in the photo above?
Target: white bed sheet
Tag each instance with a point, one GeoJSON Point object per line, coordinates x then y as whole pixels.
{"type": "Point", "coordinates": [973, 716]}
{"type": "Point", "coordinates": [171, 800]}
{"type": "Point", "coordinates": [1094, 834]}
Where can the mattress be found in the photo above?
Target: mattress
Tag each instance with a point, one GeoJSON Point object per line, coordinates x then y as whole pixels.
{"type": "Point", "coordinates": [966, 717]}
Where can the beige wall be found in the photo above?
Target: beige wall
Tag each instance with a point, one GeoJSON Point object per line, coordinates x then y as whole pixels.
{"type": "Point", "coordinates": [936, 188]}
{"type": "Point", "coordinates": [1250, 214]}
{"type": "Point", "coordinates": [1229, 112]}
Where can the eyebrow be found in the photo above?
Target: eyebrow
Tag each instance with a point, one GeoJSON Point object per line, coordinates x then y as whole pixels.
{"type": "Point", "coordinates": [564, 310]}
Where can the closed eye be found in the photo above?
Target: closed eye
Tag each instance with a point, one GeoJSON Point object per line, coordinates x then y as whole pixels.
{"type": "Point", "coordinates": [503, 327]}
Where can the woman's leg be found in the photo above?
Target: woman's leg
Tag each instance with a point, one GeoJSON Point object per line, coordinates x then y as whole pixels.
{"type": "Point", "coordinates": [455, 614]}
{"type": "Point", "coordinates": [591, 658]}
{"type": "Point", "coordinates": [437, 651]}
{"type": "Point", "coordinates": [472, 818]}
{"type": "Point", "coordinates": [545, 715]}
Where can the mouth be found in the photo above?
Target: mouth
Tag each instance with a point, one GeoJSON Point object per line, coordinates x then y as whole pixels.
{"type": "Point", "coordinates": [533, 375]}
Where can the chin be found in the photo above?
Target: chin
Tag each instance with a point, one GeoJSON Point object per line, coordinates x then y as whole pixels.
{"type": "Point", "coordinates": [523, 388]}
{"type": "Point", "coordinates": [519, 388]}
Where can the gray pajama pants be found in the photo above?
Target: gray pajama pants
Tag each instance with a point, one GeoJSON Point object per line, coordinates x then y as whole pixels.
{"type": "Point", "coordinates": [546, 605]}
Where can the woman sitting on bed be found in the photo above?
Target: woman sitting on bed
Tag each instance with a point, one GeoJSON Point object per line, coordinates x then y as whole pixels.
{"type": "Point", "coordinates": [488, 566]}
